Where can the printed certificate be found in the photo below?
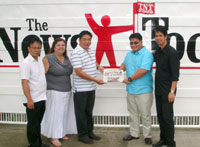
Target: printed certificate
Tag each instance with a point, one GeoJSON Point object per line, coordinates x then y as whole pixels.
{"type": "Point", "coordinates": [113, 75]}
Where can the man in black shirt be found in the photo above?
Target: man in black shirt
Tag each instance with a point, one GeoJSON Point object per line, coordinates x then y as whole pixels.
{"type": "Point", "coordinates": [167, 75]}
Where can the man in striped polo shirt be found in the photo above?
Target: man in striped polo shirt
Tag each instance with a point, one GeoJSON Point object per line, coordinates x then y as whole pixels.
{"type": "Point", "coordinates": [84, 85]}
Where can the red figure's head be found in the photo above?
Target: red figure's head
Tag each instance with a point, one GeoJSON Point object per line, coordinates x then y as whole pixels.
{"type": "Point", "coordinates": [105, 20]}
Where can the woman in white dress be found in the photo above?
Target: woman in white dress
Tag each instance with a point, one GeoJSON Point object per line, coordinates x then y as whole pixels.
{"type": "Point", "coordinates": [59, 117]}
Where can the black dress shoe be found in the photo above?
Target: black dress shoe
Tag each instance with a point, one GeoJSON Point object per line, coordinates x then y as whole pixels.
{"type": "Point", "coordinates": [171, 145]}
{"type": "Point", "coordinates": [44, 145]}
{"type": "Point", "coordinates": [159, 143]}
{"type": "Point", "coordinates": [130, 137]}
{"type": "Point", "coordinates": [148, 141]}
{"type": "Point", "coordinates": [85, 140]}
{"type": "Point", "coordinates": [93, 136]}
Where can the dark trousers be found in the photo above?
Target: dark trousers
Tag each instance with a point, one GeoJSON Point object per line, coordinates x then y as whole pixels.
{"type": "Point", "coordinates": [165, 116]}
{"type": "Point", "coordinates": [83, 104]}
{"type": "Point", "coordinates": [34, 117]}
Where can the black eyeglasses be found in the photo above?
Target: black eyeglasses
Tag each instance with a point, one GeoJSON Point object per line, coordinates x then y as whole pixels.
{"type": "Point", "coordinates": [36, 48]}
{"type": "Point", "coordinates": [135, 42]}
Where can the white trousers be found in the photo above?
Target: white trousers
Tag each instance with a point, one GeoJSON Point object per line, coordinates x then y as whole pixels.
{"type": "Point", "coordinates": [140, 105]}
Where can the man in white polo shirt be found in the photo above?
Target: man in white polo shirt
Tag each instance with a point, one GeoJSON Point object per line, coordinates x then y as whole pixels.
{"type": "Point", "coordinates": [33, 79]}
{"type": "Point", "coordinates": [84, 85]}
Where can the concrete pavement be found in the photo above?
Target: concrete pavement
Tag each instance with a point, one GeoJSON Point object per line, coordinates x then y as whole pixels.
{"type": "Point", "coordinates": [15, 136]}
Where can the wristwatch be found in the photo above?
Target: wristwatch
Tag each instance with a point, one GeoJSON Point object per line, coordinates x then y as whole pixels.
{"type": "Point", "coordinates": [129, 79]}
{"type": "Point", "coordinates": [171, 91]}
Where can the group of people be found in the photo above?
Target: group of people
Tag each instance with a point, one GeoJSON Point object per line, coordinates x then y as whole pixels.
{"type": "Point", "coordinates": [53, 111]}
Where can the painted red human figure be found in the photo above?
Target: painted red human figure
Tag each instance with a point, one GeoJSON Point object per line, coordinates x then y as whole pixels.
{"type": "Point", "coordinates": [104, 34]}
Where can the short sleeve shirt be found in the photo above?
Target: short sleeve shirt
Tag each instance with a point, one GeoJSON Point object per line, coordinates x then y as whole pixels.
{"type": "Point", "coordinates": [141, 59]}
{"type": "Point", "coordinates": [34, 72]}
{"type": "Point", "coordinates": [80, 58]}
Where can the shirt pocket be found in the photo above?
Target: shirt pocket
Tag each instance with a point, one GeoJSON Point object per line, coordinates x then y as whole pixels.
{"type": "Point", "coordinates": [137, 62]}
{"type": "Point", "coordinates": [164, 63]}
{"type": "Point", "coordinates": [35, 73]}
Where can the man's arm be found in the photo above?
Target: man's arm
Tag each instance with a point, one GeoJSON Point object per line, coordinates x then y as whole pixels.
{"type": "Point", "coordinates": [26, 89]}
{"type": "Point", "coordinates": [25, 76]}
{"type": "Point", "coordinates": [83, 75]}
{"type": "Point", "coordinates": [138, 74]}
{"type": "Point", "coordinates": [123, 67]}
{"type": "Point", "coordinates": [174, 68]}
{"type": "Point", "coordinates": [171, 96]}
{"type": "Point", "coordinates": [173, 86]}
{"type": "Point", "coordinates": [99, 68]}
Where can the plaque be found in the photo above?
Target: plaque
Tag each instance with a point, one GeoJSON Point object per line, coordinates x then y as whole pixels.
{"type": "Point", "coordinates": [113, 75]}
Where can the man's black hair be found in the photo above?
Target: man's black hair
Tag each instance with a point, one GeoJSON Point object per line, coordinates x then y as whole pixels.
{"type": "Point", "coordinates": [135, 35]}
{"type": "Point", "coordinates": [34, 39]}
{"type": "Point", "coordinates": [85, 32]}
{"type": "Point", "coordinates": [161, 29]}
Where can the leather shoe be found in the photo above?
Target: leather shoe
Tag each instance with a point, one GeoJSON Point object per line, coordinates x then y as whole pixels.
{"type": "Point", "coordinates": [93, 136]}
{"type": "Point", "coordinates": [148, 141]}
{"type": "Point", "coordinates": [85, 140]}
{"type": "Point", "coordinates": [44, 145]}
{"type": "Point", "coordinates": [159, 143]}
{"type": "Point", "coordinates": [171, 144]}
{"type": "Point", "coordinates": [130, 137]}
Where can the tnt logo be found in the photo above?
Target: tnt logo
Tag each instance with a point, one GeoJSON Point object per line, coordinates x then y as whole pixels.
{"type": "Point", "coordinates": [144, 8]}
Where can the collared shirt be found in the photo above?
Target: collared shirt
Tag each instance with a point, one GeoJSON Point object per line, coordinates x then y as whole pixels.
{"type": "Point", "coordinates": [167, 68]}
{"type": "Point", "coordinates": [141, 59]}
{"type": "Point", "coordinates": [80, 58]}
{"type": "Point", "coordinates": [34, 72]}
